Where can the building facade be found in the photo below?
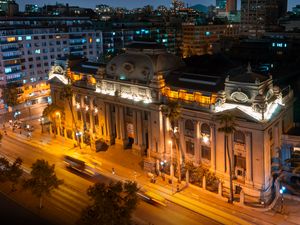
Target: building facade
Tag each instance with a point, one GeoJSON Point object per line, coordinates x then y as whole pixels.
{"type": "Point", "coordinates": [199, 39]}
{"type": "Point", "coordinates": [258, 16]}
{"type": "Point", "coordinates": [121, 103]}
{"type": "Point", "coordinates": [30, 45]}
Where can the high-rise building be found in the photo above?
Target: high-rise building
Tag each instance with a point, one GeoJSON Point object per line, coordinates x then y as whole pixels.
{"type": "Point", "coordinates": [30, 45]}
{"type": "Point", "coordinates": [30, 8]}
{"type": "Point", "coordinates": [231, 6]}
{"type": "Point", "coordinates": [221, 4]}
{"type": "Point", "coordinates": [8, 8]}
{"type": "Point", "coordinates": [199, 39]}
{"type": "Point", "coordinates": [257, 16]}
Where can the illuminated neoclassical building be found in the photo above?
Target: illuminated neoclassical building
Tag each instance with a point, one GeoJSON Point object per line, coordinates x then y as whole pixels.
{"type": "Point", "coordinates": [121, 103]}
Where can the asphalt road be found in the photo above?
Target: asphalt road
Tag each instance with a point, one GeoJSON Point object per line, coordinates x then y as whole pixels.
{"type": "Point", "coordinates": [14, 214]}
{"type": "Point", "coordinates": [71, 198]}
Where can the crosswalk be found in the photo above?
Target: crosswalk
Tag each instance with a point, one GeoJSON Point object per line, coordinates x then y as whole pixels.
{"type": "Point", "coordinates": [69, 202]}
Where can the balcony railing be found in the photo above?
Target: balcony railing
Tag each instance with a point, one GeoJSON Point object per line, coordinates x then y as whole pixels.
{"type": "Point", "coordinates": [10, 49]}
{"type": "Point", "coordinates": [12, 57]}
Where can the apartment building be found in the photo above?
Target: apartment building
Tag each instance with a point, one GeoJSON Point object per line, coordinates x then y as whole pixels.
{"type": "Point", "coordinates": [30, 45]}
{"type": "Point", "coordinates": [198, 39]}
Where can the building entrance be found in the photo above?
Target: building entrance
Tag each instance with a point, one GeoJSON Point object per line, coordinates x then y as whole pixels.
{"type": "Point", "coordinates": [130, 135]}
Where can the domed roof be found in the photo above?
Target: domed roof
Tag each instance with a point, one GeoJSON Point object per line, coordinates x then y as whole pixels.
{"type": "Point", "coordinates": [141, 64]}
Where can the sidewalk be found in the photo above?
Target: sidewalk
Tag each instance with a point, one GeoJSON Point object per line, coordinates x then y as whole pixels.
{"type": "Point", "coordinates": [128, 166]}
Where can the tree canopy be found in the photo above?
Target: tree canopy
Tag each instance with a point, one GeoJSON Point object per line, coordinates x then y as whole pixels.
{"type": "Point", "coordinates": [172, 111]}
{"type": "Point", "coordinates": [15, 172]}
{"type": "Point", "coordinates": [113, 204]}
{"type": "Point", "coordinates": [43, 179]}
{"type": "Point", "coordinates": [10, 95]}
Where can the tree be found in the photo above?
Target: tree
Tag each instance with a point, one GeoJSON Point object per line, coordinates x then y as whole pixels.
{"type": "Point", "coordinates": [43, 180]}
{"type": "Point", "coordinates": [172, 111]}
{"type": "Point", "coordinates": [50, 112]}
{"type": "Point", "coordinates": [14, 173]}
{"type": "Point", "coordinates": [4, 167]}
{"type": "Point", "coordinates": [113, 204]}
{"type": "Point", "coordinates": [228, 127]}
{"type": "Point", "coordinates": [10, 95]}
{"type": "Point", "coordinates": [68, 94]}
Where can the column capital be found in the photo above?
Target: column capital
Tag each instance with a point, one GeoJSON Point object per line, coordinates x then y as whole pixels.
{"type": "Point", "coordinates": [212, 125]}
{"type": "Point", "coordinates": [248, 133]}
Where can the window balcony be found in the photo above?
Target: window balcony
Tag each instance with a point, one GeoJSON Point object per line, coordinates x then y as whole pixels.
{"type": "Point", "coordinates": [11, 57]}
{"type": "Point", "coordinates": [10, 49]}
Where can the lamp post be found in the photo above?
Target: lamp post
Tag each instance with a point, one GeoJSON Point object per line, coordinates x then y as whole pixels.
{"type": "Point", "coordinates": [41, 120]}
{"type": "Point", "coordinates": [281, 191]}
{"type": "Point", "coordinates": [171, 165]}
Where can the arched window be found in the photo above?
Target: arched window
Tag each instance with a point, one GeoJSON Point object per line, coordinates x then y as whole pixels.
{"type": "Point", "coordinates": [87, 117]}
{"type": "Point", "coordinates": [87, 100]}
{"type": "Point", "coordinates": [78, 98]}
{"type": "Point", "coordinates": [239, 137]}
{"type": "Point", "coordinates": [205, 129]}
{"type": "Point", "coordinates": [189, 128]}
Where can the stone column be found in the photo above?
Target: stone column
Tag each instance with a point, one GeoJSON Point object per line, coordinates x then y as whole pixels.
{"type": "Point", "coordinates": [135, 128]}
{"type": "Point", "coordinates": [122, 123]}
{"type": "Point", "coordinates": [150, 144]}
{"type": "Point", "coordinates": [249, 161]}
{"type": "Point", "coordinates": [198, 142]}
{"type": "Point", "coordinates": [181, 146]}
{"type": "Point", "coordinates": [108, 121]}
{"type": "Point", "coordinates": [139, 128]}
{"type": "Point", "coordinates": [213, 146]}
{"type": "Point", "coordinates": [82, 112]}
{"type": "Point", "coordinates": [276, 142]}
{"type": "Point", "coordinates": [117, 119]}
{"type": "Point", "coordinates": [91, 113]}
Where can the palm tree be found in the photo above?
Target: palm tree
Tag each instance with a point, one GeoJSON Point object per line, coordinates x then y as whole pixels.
{"type": "Point", "coordinates": [50, 112]}
{"type": "Point", "coordinates": [10, 95]}
{"type": "Point", "coordinates": [68, 94]}
{"type": "Point", "coordinates": [228, 127]}
{"type": "Point", "coordinates": [172, 111]}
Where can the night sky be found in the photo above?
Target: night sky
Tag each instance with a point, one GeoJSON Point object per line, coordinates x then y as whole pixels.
{"type": "Point", "coordinates": [124, 3]}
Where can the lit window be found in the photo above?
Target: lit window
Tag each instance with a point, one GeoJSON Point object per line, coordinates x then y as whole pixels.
{"type": "Point", "coordinates": [24, 81]}
{"type": "Point", "coordinates": [91, 40]}
{"type": "Point", "coordinates": [164, 40]}
{"type": "Point", "coordinates": [98, 40]}
{"type": "Point", "coordinates": [113, 33]}
{"type": "Point", "coordinates": [8, 70]}
{"type": "Point", "coordinates": [38, 51]}
{"type": "Point", "coordinates": [207, 33]}
{"type": "Point", "coordinates": [20, 38]}
{"type": "Point", "coordinates": [273, 44]}
{"type": "Point", "coordinates": [11, 39]}
{"type": "Point", "coordinates": [28, 38]}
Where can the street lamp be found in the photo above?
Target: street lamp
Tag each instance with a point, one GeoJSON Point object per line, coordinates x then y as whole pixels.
{"type": "Point", "coordinates": [41, 120]}
{"type": "Point", "coordinates": [171, 165]}
{"type": "Point", "coordinates": [281, 191]}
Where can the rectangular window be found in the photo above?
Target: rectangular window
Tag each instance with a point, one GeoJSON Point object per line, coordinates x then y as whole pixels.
{"type": "Point", "coordinates": [28, 38]}
{"type": "Point", "coordinates": [205, 152]}
{"type": "Point", "coordinates": [96, 119]}
{"type": "Point", "coordinates": [240, 161]}
{"type": "Point", "coordinates": [79, 115]}
{"type": "Point", "coordinates": [190, 147]}
{"type": "Point", "coordinates": [129, 111]}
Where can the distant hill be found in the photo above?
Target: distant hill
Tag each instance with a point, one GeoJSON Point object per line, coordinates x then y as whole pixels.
{"type": "Point", "coordinates": [200, 8]}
